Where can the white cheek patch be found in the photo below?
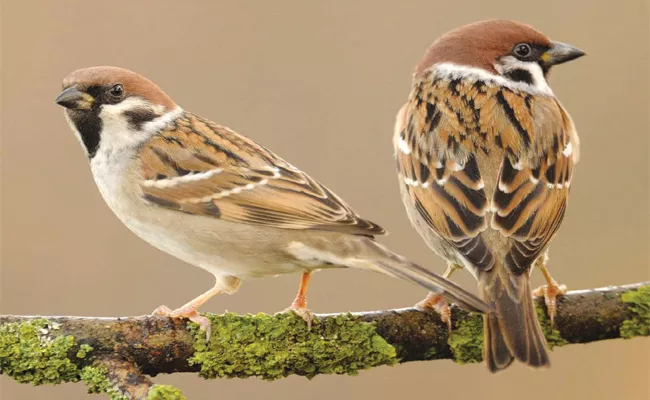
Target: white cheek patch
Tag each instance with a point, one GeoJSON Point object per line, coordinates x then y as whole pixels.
{"type": "Point", "coordinates": [116, 132]}
{"type": "Point", "coordinates": [159, 123]}
{"type": "Point", "coordinates": [510, 63]}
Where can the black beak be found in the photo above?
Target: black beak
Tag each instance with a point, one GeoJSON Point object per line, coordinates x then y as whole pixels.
{"type": "Point", "coordinates": [75, 99]}
{"type": "Point", "coordinates": [560, 53]}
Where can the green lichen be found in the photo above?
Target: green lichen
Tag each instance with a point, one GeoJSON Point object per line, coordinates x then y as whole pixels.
{"type": "Point", "coordinates": [466, 341]}
{"type": "Point", "coordinates": [164, 392]}
{"type": "Point", "coordinates": [553, 336]}
{"type": "Point", "coordinates": [83, 351]}
{"type": "Point", "coordinates": [639, 303]}
{"type": "Point", "coordinates": [29, 354]}
{"type": "Point", "coordinates": [272, 347]}
{"type": "Point", "coordinates": [96, 380]}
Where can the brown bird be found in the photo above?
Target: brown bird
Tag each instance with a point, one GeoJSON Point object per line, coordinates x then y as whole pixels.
{"type": "Point", "coordinates": [485, 155]}
{"type": "Point", "coordinates": [217, 200]}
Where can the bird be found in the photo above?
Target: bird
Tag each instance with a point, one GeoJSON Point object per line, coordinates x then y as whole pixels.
{"type": "Point", "coordinates": [485, 156]}
{"type": "Point", "coordinates": [216, 199]}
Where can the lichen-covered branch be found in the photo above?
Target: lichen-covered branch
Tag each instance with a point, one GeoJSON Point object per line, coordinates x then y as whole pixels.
{"type": "Point", "coordinates": [114, 355]}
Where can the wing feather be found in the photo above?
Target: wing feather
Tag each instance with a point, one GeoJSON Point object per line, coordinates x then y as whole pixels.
{"type": "Point", "coordinates": [201, 168]}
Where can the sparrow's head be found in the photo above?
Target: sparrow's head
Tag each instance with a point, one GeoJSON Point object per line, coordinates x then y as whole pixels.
{"type": "Point", "coordinates": [112, 107]}
{"type": "Point", "coordinates": [515, 51]}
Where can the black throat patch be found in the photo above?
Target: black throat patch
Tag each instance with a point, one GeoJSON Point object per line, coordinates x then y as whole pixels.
{"type": "Point", "coordinates": [89, 126]}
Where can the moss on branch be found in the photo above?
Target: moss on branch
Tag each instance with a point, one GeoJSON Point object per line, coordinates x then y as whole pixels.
{"type": "Point", "coordinates": [273, 347]}
{"type": "Point", "coordinates": [114, 355]}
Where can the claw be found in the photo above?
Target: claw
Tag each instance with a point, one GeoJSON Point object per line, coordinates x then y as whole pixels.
{"type": "Point", "coordinates": [436, 303]}
{"type": "Point", "coordinates": [302, 312]}
{"type": "Point", "coordinates": [550, 292]}
{"type": "Point", "coordinates": [189, 313]}
{"type": "Point", "coordinates": [163, 311]}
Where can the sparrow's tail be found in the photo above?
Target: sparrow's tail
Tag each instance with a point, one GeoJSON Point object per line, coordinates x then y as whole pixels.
{"type": "Point", "coordinates": [379, 258]}
{"type": "Point", "coordinates": [512, 330]}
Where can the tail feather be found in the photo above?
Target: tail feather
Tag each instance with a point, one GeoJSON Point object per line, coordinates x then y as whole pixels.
{"type": "Point", "coordinates": [513, 330]}
{"type": "Point", "coordinates": [387, 262]}
{"type": "Point", "coordinates": [496, 353]}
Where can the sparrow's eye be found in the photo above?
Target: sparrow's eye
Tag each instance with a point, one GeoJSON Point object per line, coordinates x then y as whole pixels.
{"type": "Point", "coordinates": [117, 91]}
{"type": "Point", "coordinates": [522, 50]}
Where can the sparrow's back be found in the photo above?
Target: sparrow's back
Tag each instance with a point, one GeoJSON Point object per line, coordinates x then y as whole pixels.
{"type": "Point", "coordinates": [485, 159]}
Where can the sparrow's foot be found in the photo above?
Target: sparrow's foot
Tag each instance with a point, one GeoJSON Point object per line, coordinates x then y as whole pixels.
{"type": "Point", "coordinates": [188, 313]}
{"type": "Point", "coordinates": [302, 312]}
{"type": "Point", "coordinates": [550, 292]}
{"type": "Point", "coordinates": [299, 305]}
{"type": "Point", "coordinates": [436, 303]}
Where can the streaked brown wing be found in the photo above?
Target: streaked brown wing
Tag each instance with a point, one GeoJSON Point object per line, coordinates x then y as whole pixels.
{"type": "Point", "coordinates": [445, 187]}
{"type": "Point", "coordinates": [202, 168]}
{"type": "Point", "coordinates": [532, 193]}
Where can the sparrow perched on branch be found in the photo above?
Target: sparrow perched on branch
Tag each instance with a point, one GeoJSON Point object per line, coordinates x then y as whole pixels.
{"type": "Point", "coordinates": [485, 155]}
{"type": "Point", "coordinates": [217, 200]}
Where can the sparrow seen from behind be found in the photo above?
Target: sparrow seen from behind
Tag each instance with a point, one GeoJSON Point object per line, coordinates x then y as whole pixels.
{"type": "Point", "coordinates": [485, 155]}
{"type": "Point", "coordinates": [217, 200]}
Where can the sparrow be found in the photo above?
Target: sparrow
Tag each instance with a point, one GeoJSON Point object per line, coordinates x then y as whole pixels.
{"type": "Point", "coordinates": [485, 156]}
{"type": "Point", "coordinates": [217, 200]}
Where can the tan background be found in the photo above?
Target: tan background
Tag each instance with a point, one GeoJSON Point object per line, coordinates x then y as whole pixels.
{"type": "Point", "coordinates": [319, 84]}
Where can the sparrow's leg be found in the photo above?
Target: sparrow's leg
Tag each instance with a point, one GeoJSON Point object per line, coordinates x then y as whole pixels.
{"type": "Point", "coordinates": [436, 302]}
{"type": "Point", "coordinates": [299, 305]}
{"type": "Point", "coordinates": [190, 309]}
{"type": "Point", "coordinates": [550, 291]}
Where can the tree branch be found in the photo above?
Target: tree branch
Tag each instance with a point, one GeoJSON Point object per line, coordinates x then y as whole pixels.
{"type": "Point", "coordinates": [113, 355]}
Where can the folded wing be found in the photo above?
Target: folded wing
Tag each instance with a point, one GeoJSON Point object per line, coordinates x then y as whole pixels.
{"type": "Point", "coordinates": [217, 173]}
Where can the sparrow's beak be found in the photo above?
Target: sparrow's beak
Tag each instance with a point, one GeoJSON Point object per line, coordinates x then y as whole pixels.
{"type": "Point", "coordinates": [75, 99]}
{"type": "Point", "coordinates": [560, 53]}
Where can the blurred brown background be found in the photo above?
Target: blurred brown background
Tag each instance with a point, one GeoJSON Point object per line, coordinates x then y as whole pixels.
{"type": "Point", "coordinates": [319, 83]}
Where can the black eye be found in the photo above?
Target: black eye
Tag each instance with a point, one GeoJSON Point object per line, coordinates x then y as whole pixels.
{"type": "Point", "coordinates": [116, 91]}
{"type": "Point", "coordinates": [522, 50]}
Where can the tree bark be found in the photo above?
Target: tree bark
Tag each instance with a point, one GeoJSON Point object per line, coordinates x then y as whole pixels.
{"type": "Point", "coordinates": [113, 355]}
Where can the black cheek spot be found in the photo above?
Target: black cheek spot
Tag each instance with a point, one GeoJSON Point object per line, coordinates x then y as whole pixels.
{"type": "Point", "coordinates": [138, 117]}
{"type": "Point", "coordinates": [520, 75]}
